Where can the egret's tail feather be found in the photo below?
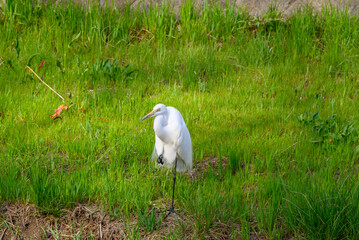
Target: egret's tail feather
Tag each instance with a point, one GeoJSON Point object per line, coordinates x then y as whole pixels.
{"type": "Point", "coordinates": [181, 167]}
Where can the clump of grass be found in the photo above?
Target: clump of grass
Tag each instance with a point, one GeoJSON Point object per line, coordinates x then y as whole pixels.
{"type": "Point", "coordinates": [51, 194]}
{"type": "Point", "coordinates": [148, 220]}
{"type": "Point", "coordinates": [234, 161]}
{"type": "Point", "coordinates": [132, 233]}
{"type": "Point", "coordinates": [210, 211]}
{"type": "Point", "coordinates": [269, 208]}
{"type": "Point", "coordinates": [324, 212]}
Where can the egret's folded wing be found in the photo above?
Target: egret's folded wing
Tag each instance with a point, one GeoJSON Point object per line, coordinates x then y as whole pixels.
{"type": "Point", "coordinates": [184, 148]}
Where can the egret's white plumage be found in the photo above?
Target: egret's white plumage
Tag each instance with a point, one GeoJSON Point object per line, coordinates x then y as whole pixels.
{"type": "Point", "coordinates": [172, 138]}
{"type": "Point", "coordinates": [173, 143]}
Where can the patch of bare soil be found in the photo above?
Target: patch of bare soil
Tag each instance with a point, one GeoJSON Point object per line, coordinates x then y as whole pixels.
{"type": "Point", "coordinates": [20, 221]}
{"type": "Point", "coordinates": [213, 164]}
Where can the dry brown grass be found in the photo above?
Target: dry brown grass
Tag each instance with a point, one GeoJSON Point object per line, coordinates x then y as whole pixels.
{"type": "Point", "coordinates": [21, 221]}
{"type": "Point", "coordinates": [25, 221]}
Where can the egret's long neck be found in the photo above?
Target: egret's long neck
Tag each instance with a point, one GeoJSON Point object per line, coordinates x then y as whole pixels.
{"type": "Point", "coordinates": [160, 125]}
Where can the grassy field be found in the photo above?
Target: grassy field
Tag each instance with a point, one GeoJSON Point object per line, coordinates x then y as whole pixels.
{"type": "Point", "coordinates": [271, 105]}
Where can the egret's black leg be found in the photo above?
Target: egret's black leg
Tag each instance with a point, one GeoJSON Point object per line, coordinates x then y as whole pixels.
{"type": "Point", "coordinates": [172, 209]}
{"type": "Point", "coordinates": [160, 159]}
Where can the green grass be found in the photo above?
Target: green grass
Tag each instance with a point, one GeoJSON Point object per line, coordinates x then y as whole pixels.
{"type": "Point", "coordinates": [273, 100]}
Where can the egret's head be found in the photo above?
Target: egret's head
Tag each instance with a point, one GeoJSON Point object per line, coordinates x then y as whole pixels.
{"type": "Point", "coordinates": [157, 110]}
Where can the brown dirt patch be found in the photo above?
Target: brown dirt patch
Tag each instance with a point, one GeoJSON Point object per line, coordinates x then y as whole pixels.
{"type": "Point", "coordinates": [213, 164]}
{"type": "Point", "coordinates": [21, 221]}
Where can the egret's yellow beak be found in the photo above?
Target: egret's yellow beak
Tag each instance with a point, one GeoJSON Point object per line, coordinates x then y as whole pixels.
{"type": "Point", "coordinates": [151, 114]}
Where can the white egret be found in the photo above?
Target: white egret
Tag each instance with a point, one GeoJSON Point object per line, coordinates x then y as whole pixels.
{"type": "Point", "coordinates": [173, 144]}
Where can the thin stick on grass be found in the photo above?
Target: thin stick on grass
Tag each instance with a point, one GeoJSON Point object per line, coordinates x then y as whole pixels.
{"type": "Point", "coordinates": [45, 83]}
{"type": "Point", "coordinates": [104, 39]}
{"type": "Point", "coordinates": [3, 234]}
{"type": "Point", "coordinates": [289, 147]}
{"type": "Point", "coordinates": [101, 234]}
{"type": "Point", "coordinates": [103, 155]}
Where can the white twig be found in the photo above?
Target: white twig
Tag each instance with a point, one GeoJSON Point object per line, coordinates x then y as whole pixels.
{"type": "Point", "coordinates": [101, 234]}
{"type": "Point", "coordinates": [3, 234]}
{"type": "Point", "coordinates": [45, 83]}
{"type": "Point", "coordinates": [107, 152]}
{"type": "Point", "coordinates": [289, 147]}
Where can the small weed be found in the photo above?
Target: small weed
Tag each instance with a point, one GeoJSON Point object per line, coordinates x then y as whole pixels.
{"type": "Point", "coordinates": [132, 233]}
{"type": "Point", "coordinates": [329, 130]}
{"type": "Point", "coordinates": [148, 220]}
{"type": "Point", "coordinates": [234, 161]}
{"type": "Point", "coordinates": [112, 70]}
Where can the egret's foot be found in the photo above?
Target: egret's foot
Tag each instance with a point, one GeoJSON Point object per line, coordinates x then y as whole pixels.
{"type": "Point", "coordinates": [171, 210]}
{"type": "Point", "coordinates": [160, 159]}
